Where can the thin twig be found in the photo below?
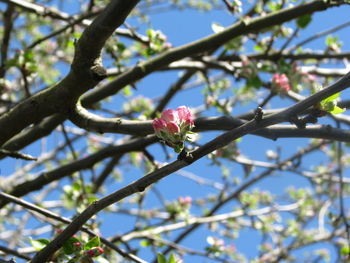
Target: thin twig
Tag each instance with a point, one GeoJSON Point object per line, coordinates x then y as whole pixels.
{"type": "Point", "coordinates": [318, 35]}
{"type": "Point", "coordinates": [18, 155]}
{"type": "Point", "coordinates": [341, 192]}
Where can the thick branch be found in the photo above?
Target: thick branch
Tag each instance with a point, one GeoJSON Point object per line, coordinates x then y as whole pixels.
{"type": "Point", "coordinates": [45, 11]}
{"type": "Point", "coordinates": [203, 45]}
{"type": "Point", "coordinates": [92, 122]}
{"type": "Point", "coordinates": [86, 72]}
{"type": "Point", "coordinates": [222, 140]}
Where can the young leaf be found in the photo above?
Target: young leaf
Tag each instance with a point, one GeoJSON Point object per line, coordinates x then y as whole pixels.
{"type": "Point", "coordinates": [161, 258]}
{"type": "Point", "coordinates": [171, 259]}
{"type": "Point", "coordinates": [68, 246]}
{"type": "Point", "coordinates": [39, 244]}
{"type": "Point", "coordinates": [303, 21]}
{"type": "Point", "coordinates": [331, 98]}
{"type": "Point", "coordinates": [330, 104]}
{"type": "Point", "coordinates": [93, 242]}
{"type": "Point", "coordinates": [337, 110]}
{"type": "Point", "coordinates": [345, 250]}
{"type": "Point", "coordinates": [179, 147]}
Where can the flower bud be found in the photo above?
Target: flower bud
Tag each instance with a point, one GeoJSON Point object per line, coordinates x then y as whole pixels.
{"type": "Point", "coordinates": [280, 83]}
{"type": "Point", "coordinates": [185, 201]}
{"type": "Point", "coordinates": [94, 252]}
{"type": "Point", "coordinates": [173, 126]}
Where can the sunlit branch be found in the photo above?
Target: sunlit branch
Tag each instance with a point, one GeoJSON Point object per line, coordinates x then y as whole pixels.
{"type": "Point", "coordinates": [205, 220]}
{"type": "Point", "coordinates": [206, 44]}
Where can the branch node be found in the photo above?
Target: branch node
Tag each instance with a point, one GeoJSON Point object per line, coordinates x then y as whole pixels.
{"type": "Point", "coordinates": [300, 123]}
{"type": "Point", "coordinates": [118, 121]}
{"type": "Point", "coordinates": [258, 114]}
{"type": "Point", "coordinates": [98, 72]}
{"type": "Point", "coordinates": [185, 156]}
{"type": "Point", "coordinates": [140, 188]}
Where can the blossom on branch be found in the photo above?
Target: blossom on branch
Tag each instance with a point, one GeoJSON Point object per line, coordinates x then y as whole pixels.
{"type": "Point", "coordinates": [174, 127]}
{"type": "Point", "coordinates": [280, 83]}
{"type": "Point", "coordinates": [94, 252]}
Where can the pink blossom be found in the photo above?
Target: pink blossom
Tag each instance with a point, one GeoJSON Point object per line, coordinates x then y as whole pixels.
{"type": "Point", "coordinates": [219, 242]}
{"type": "Point", "coordinates": [90, 253]}
{"type": "Point", "coordinates": [94, 252]}
{"type": "Point", "coordinates": [214, 241]}
{"type": "Point", "coordinates": [173, 126]}
{"type": "Point", "coordinates": [307, 77]}
{"type": "Point", "coordinates": [185, 115]}
{"type": "Point", "coordinates": [249, 68]}
{"type": "Point", "coordinates": [185, 201]}
{"type": "Point", "coordinates": [159, 124]}
{"type": "Point", "coordinates": [170, 115]}
{"type": "Point", "coordinates": [231, 248]}
{"type": "Point", "coordinates": [281, 83]}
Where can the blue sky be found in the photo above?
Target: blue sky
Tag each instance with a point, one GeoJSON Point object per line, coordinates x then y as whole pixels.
{"type": "Point", "coordinates": [181, 28]}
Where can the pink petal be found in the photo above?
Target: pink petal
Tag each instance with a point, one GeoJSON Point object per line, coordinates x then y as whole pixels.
{"type": "Point", "coordinates": [185, 114]}
{"type": "Point", "coordinates": [281, 81]}
{"type": "Point", "coordinates": [169, 115]}
{"type": "Point", "coordinates": [172, 127]}
{"type": "Point", "coordinates": [158, 124]}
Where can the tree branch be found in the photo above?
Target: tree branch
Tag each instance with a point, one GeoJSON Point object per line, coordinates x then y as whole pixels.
{"type": "Point", "coordinates": [149, 179]}
{"type": "Point", "coordinates": [86, 72]}
{"type": "Point", "coordinates": [203, 45]}
{"type": "Point", "coordinates": [18, 155]}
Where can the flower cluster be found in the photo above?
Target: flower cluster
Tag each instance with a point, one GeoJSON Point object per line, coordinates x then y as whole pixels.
{"type": "Point", "coordinates": [217, 247]}
{"type": "Point", "coordinates": [173, 127]}
{"type": "Point", "coordinates": [249, 68]}
{"type": "Point", "coordinates": [280, 83]}
{"type": "Point", "coordinates": [185, 201]}
{"type": "Point", "coordinates": [180, 208]}
{"type": "Point", "coordinates": [89, 254]}
{"type": "Point", "coordinates": [94, 252]}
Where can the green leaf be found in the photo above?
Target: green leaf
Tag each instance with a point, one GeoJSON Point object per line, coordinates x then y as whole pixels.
{"type": "Point", "coordinates": [331, 98]}
{"type": "Point", "coordinates": [68, 246]}
{"type": "Point", "coordinates": [93, 242]}
{"type": "Point", "coordinates": [161, 258]}
{"type": "Point", "coordinates": [121, 47]}
{"type": "Point", "coordinates": [254, 82]}
{"type": "Point", "coordinates": [330, 104]}
{"type": "Point", "coordinates": [303, 21]}
{"type": "Point", "coordinates": [179, 147]}
{"type": "Point", "coordinates": [144, 243]}
{"type": "Point", "coordinates": [258, 48]}
{"type": "Point", "coordinates": [150, 33]}
{"type": "Point", "coordinates": [127, 91]}
{"type": "Point", "coordinates": [337, 110]}
{"type": "Point", "coordinates": [28, 56]}
{"type": "Point", "coordinates": [171, 259]}
{"type": "Point", "coordinates": [345, 250]}
{"type": "Point", "coordinates": [39, 244]}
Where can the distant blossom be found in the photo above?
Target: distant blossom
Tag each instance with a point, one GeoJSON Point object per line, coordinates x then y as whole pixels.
{"type": "Point", "coordinates": [280, 83]}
